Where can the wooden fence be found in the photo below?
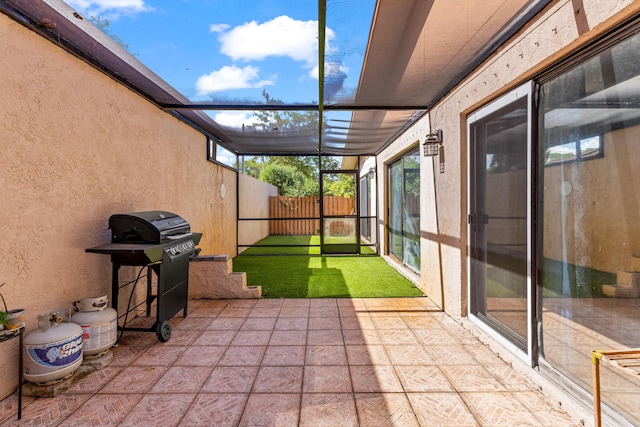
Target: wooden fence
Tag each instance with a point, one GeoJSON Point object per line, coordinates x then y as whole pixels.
{"type": "Point", "coordinates": [301, 215]}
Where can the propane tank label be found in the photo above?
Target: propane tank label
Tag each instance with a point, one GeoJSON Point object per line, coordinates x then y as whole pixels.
{"type": "Point", "coordinates": [59, 353]}
{"type": "Point", "coordinates": [99, 334]}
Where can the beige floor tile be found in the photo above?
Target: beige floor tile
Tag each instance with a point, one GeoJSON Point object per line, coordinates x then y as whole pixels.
{"type": "Point", "coordinates": [192, 323]}
{"type": "Point", "coordinates": [408, 355]}
{"type": "Point", "coordinates": [418, 379]}
{"type": "Point", "coordinates": [471, 378]}
{"type": "Point", "coordinates": [294, 312]}
{"type": "Point", "coordinates": [359, 321]}
{"type": "Point", "coordinates": [242, 356]}
{"type": "Point", "coordinates": [159, 410]}
{"type": "Point", "coordinates": [450, 355]}
{"type": "Point", "coordinates": [310, 362]}
{"type": "Point", "coordinates": [284, 355]}
{"type": "Point", "coordinates": [385, 409]}
{"type": "Point", "coordinates": [278, 410]}
{"type": "Point", "coordinates": [389, 322]}
{"type": "Point", "coordinates": [235, 312]}
{"type": "Point", "coordinates": [50, 411]}
{"type": "Point", "coordinates": [159, 356]}
{"type": "Point", "coordinates": [205, 312]}
{"type": "Point", "coordinates": [196, 303]}
{"type": "Point", "coordinates": [296, 302]}
{"type": "Point", "coordinates": [251, 338]}
{"type": "Point", "coordinates": [288, 338]}
{"type": "Point", "coordinates": [499, 409]}
{"type": "Point", "coordinates": [230, 379]}
{"type": "Point", "coordinates": [328, 410]}
{"type": "Point", "coordinates": [324, 323]}
{"type": "Point", "coordinates": [94, 382]}
{"type": "Point", "coordinates": [436, 336]}
{"type": "Point", "coordinates": [325, 337]}
{"type": "Point", "coordinates": [219, 410]}
{"type": "Point", "coordinates": [397, 336]}
{"type": "Point", "coordinates": [124, 355]}
{"type": "Point", "coordinates": [326, 379]}
{"type": "Point", "coordinates": [292, 324]}
{"type": "Point", "coordinates": [326, 355]}
{"type": "Point", "coordinates": [134, 379]}
{"type": "Point", "coordinates": [415, 321]}
{"type": "Point", "coordinates": [259, 324]}
{"type": "Point", "coordinates": [265, 312]}
{"type": "Point", "coordinates": [441, 410]}
{"type": "Point", "coordinates": [368, 355]}
{"type": "Point", "coordinates": [250, 303]}
{"type": "Point", "coordinates": [324, 311]}
{"type": "Point", "coordinates": [103, 410]}
{"type": "Point", "coordinates": [141, 339]}
{"type": "Point", "coordinates": [372, 379]}
{"type": "Point", "coordinates": [182, 379]}
{"type": "Point", "coordinates": [179, 338]}
{"type": "Point", "coordinates": [361, 337]}
{"type": "Point", "coordinates": [279, 379]}
{"type": "Point", "coordinates": [226, 324]}
{"type": "Point", "coordinates": [202, 355]}
{"type": "Point", "coordinates": [215, 337]}
{"type": "Point", "coordinates": [542, 409]}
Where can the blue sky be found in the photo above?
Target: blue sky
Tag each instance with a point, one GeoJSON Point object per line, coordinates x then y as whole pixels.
{"type": "Point", "coordinates": [232, 50]}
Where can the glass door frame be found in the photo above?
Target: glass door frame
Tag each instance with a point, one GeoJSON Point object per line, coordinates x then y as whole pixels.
{"type": "Point", "coordinates": [389, 229]}
{"type": "Point", "coordinates": [525, 90]}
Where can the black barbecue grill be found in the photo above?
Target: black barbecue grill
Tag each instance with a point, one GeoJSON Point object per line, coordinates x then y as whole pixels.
{"type": "Point", "coordinates": [163, 243]}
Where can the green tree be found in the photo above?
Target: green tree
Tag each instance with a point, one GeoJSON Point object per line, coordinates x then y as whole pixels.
{"type": "Point", "coordinates": [288, 180]}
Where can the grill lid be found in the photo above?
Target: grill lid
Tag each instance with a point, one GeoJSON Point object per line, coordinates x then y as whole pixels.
{"type": "Point", "coordinates": [147, 227]}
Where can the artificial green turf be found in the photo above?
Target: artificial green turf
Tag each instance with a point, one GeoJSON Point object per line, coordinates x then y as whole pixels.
{"type": "Point", "coordinates": [295, 245]}
{"type": "Point", "coordinates": [300, 276]}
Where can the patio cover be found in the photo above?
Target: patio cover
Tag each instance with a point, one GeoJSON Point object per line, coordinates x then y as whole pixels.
{"type": "Point", "coordinates": [417, 50]}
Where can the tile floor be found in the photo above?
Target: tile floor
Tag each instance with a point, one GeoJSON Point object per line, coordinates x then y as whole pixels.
{"type": "Point", "coordinates": [294, 362]}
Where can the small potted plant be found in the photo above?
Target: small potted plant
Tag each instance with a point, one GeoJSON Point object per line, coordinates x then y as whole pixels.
{"type": "Point", "coordinates": [10, 319]}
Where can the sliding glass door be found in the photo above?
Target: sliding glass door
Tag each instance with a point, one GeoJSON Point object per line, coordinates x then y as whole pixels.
{"type": "Point", "coordinates": [404, 210]}
{"type": "Point", "coordinates": [499, 287]}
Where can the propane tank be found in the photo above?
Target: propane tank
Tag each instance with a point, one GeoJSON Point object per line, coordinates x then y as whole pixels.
{"type": "Point", "coordinates": [99, 325]}
{"type": "Point", "coordinates": [55, 349]}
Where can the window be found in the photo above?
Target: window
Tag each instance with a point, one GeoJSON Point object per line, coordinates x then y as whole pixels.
{"type": "Point", "coordinates": [589, 240]}
{"type": "Point", "coordinates": [218, 154]}
{"type": "Point", "coordinates": [404, 210]}
{"type": "Point", "coordinates": [580, 149]}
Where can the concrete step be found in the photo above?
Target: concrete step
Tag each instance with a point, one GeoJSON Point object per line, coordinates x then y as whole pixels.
{"type": "Point", "coordinates": [212, 276]}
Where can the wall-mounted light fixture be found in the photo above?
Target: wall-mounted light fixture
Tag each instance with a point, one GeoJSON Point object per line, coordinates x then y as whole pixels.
{"type": "Point", "coordinates": [432, 143]}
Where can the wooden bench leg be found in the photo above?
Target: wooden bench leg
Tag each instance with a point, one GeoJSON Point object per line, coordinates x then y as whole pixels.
{"type": "Point", "coordinates": [595, 361]}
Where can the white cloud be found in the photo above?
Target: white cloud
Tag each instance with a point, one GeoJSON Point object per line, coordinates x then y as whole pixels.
{"type": "Point", "coordinates": [218, 28]}
{"type": "Point", "coordinates": [230, 77]}
{"type": "Point", "coordinates": [235, 119]}
{"type": "Point", "coordinates": [282, 36]}
{"type": "Point", "coordinates": [113, 8]}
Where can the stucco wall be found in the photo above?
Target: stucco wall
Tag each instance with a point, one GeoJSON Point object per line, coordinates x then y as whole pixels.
{"type": "Point", "coordinates": [76, 148]}
{"type": "Point", "coordinates": [556, 32]}
{"type": "Point", "coordinates": [253, 203]}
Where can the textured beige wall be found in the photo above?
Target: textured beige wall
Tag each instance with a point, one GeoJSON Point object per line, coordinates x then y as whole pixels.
{"type": "Point", "coordinates": [556, 32]}
{"type": "Point", "coordinates": [76, 148]}
{"type": "Point", "coordinates": [253, 203]}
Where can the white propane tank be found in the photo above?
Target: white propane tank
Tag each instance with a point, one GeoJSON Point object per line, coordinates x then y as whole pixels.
{"type": "Point", "coordinates": [99, 325]}
{"type": "Point", "coordinates": [55, 349]}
